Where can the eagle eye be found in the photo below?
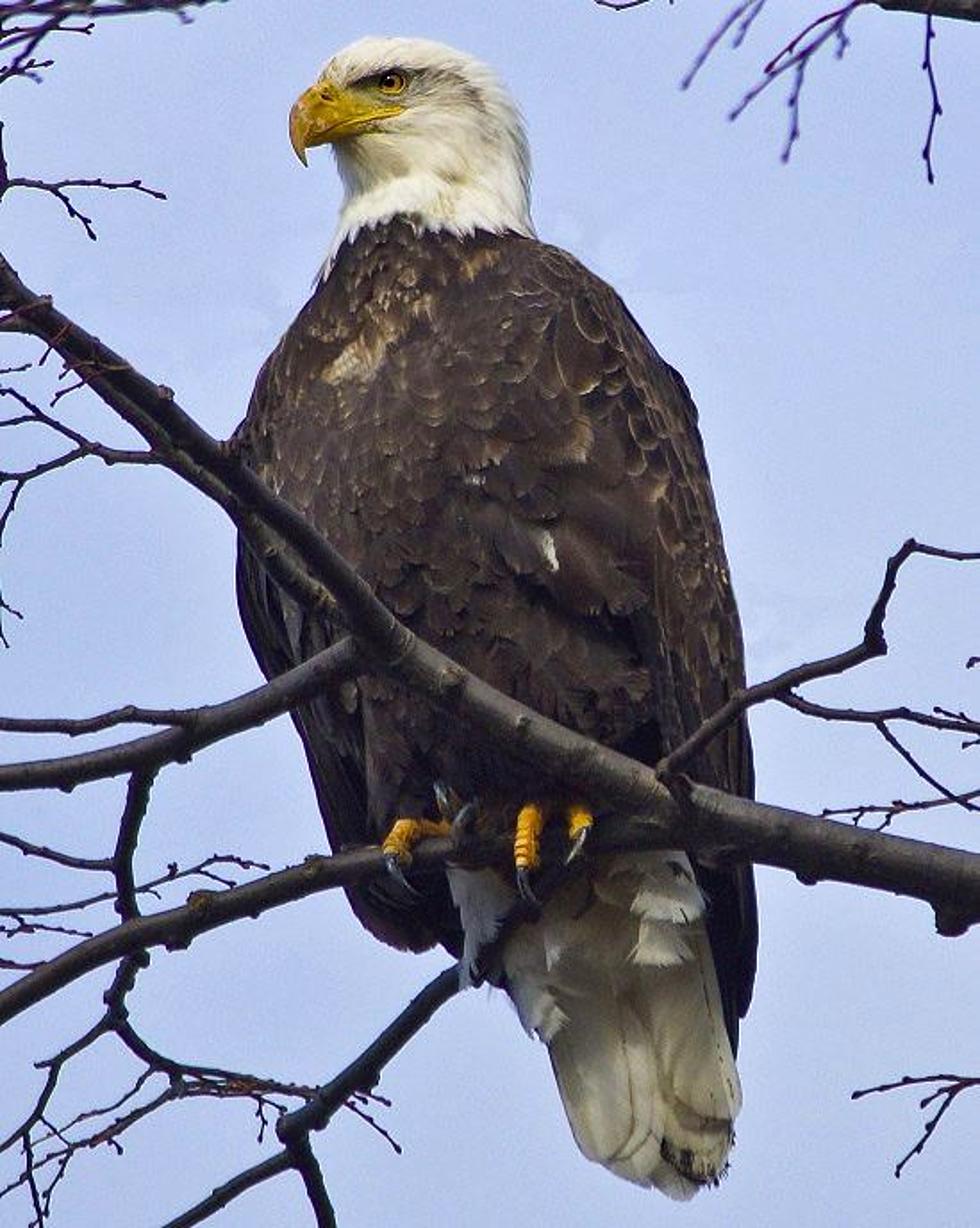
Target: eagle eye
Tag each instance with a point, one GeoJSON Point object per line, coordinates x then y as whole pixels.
{"type": "Point", "coordinates": [393, 82]}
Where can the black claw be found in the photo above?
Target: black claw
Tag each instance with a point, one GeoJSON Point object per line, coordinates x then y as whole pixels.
{"type": "Point", "coordinates": [577, 845]}
{"type": "Point", "coordinates": [394, 868]}
{"type": "Point", "coordinates": [524, 889]}
{"type": "Point", "coordinates": [465, 819]}
{"type": "Point", "coordinates": [444, 802]}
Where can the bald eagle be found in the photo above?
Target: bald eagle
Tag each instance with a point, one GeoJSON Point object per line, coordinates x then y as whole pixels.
{"type": "Point", "coordinates": [481, 427]}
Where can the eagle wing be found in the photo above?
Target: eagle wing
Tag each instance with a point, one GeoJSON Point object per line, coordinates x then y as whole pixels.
{"type": "Point", "coordinates": [282, 634]}
{"type": "Point", "coordinates": [604, 503]}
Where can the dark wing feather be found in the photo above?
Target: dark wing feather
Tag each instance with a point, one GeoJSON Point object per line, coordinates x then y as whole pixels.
{"type": "Point", "coordinates": [638, 544]}
{"type": "Point", "coordinates": [281, 635]}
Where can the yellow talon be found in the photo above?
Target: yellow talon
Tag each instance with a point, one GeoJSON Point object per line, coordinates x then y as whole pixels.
{"type": "Point", "coordinates": [527, 837]}
{"type": "Point", "coordinates": [579, 820]}
{"type": "Point", "coordinates": [406, 833]}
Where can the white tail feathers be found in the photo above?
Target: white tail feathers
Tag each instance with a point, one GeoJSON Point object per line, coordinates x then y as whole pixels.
{"type": "Point", "coordinates": [618, 979]}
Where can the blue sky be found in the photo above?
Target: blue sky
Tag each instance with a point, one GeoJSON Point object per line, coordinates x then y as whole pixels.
{"type": "Point", "coordinates": [825, 316]}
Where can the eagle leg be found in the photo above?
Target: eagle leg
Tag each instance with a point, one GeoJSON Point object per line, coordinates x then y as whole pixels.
{"type": "Point", "coordinates": [531, 820]}
{"type": "Point", "coordinates": [527, 848]}
{"type": "Point", "coordinates": [402, 838]}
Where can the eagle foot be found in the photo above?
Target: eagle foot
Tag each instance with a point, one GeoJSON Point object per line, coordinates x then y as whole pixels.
{"type": "Point", "coordinates": [402, 838]}
{"type": "Point", "coordinates": [531, 819]}
{"type": "Point", "coordinates": [461, 816]}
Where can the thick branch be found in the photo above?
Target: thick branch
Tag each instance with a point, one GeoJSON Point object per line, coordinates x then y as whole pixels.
{"type": "Point", "coordinates": [959, 10]}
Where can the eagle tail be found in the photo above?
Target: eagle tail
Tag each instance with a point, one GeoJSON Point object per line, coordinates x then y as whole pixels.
{"type": "Point", "coordinates": [618, 979]}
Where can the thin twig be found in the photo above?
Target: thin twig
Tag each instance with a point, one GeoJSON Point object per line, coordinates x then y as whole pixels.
{"type": "Point", "coordinates": [947, 1088]}
{"type": "Point", "coordinates": [873, 644]}
{"type": "Point", "coordinates": [921, 772]}
{"type": "Point", "coordinates": [936, 108]}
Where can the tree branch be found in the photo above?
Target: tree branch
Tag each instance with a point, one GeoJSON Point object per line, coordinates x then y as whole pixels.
{"type": "Point", "coordinates": [240, 1184]}
{"type": "Point", "coordinates": [795, 57]}
{"type": "Point", "coordinates": [960, 10]}
{"type": "Point", "coordinates": [25, 24]}
{"type": "Point", "coordinates": [198, 728]}
{"type": "Point", "coordinates": [873, 644]}
{"type": "Point", "coordinates": [946, 1088]}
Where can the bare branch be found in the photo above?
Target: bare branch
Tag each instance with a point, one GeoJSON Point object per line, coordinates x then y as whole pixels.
{"type": "Point", "coordinates": [81, 449]}
{"type": "Point", "coordinates": [936, 108]}
{"type": "Point", "coordinates": [55, 855]}
{"type": "Point", "coordinates": [873, 644]}
{"type": "Point", "coordinates": [305, 1163]}
{"type": "Point", "coordinates": [744, 15]}
{"type": "Point", "coordinates": [59, 189]}
{"type": "Point", "coordinates": [920, 771]}
{"type": "Point", "coordinates": [949, 1087]}
{"type": "Point", "coordinates": [174, 874]}
{"type": "Point", "coordinates": [364, 1072]}
{"type": "Point", "coordinates": [241, 1183]}
{"type": "Point", "coordinates": [795, 58]}
{"type": "Point", "coordinates": [25, 24]}
{"type": "Point", "coordinates": [960, 10]}
{"type": "Point", "coordinates": [74, 727]}
{"type": "Point", "coordinates": [890, 810]}
{"type": "Point", "coordinates": [796, 55]}
{"type": "Point", "coordinates": [294, 1129]}
{"type": "Point", "coordinates": [137, 800]}
{"type": "Point", "coordinates": [122, 982]}
{"type": "Point", "coordinates": [957, 722]}
{"type": "Point", "coordinates": [199, 728]}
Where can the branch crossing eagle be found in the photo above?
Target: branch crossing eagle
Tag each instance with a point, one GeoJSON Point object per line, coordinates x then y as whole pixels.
{"type": "Point", "coordinates": [480, 426]}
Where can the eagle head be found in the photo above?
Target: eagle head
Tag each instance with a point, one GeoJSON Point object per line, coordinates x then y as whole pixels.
{"type": "Point", "coordinates": [419, 130]}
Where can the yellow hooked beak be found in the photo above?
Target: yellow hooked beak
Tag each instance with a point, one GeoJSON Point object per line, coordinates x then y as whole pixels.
{"type": "Point", "coordinates": [326, 113]}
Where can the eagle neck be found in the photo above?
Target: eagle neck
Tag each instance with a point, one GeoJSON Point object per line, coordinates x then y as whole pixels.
{"type": "Point", "coordinates": [430, 202]}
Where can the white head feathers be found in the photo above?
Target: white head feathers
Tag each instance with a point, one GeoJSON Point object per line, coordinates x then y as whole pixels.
{"type": "Point", "coordinates": [454, 158]}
